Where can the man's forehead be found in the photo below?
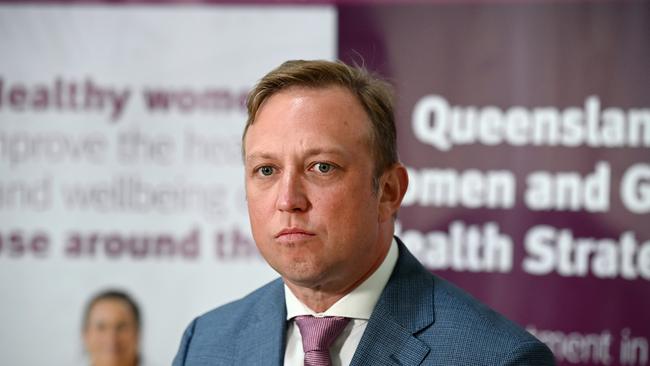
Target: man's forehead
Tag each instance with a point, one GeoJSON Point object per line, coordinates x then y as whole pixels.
{"type": "Point", "coordinates": [332, 114]}
{"type": "Point", "coordinates": [309, 94]}
{"type": "Point", "coordinates": [276, 151]}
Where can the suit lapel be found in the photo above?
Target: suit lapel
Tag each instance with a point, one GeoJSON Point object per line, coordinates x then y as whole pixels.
{"type": "Point", "coordinates": [385, 342]}
{"type": "Point", "coordinates": [262, 338]}
{"type": "Point", "coordinates": [404, 308]}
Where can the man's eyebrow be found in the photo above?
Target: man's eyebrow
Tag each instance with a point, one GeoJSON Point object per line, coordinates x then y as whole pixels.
{"type": "Point", "coordinates": [259, 156]}
{"type": "Point", "coordinates": [321, 150]}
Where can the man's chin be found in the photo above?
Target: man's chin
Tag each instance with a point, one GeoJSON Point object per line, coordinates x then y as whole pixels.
{"type": "Point", "coordinates": [311, 279]}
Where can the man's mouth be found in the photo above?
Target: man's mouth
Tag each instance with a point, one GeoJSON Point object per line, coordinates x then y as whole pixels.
{"type": "Point", "coordinates": [294, 234]}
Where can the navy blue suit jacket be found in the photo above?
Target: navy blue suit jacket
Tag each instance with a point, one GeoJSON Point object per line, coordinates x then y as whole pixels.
{"type": "Point", "coordinates": [420, 319]}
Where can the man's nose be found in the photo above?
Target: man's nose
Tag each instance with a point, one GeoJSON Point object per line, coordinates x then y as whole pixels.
{"type": "Point", "coordinates": [291, 196]}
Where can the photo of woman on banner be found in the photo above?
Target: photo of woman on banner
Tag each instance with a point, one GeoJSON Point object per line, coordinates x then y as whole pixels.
{"type": "Point", "coordinates": [111, 330]}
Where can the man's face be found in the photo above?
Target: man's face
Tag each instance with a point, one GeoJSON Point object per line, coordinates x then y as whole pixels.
{"type": "Point", "coordinates": [111, 336]}
{"type": "Point", "coordinates": [309, 170]}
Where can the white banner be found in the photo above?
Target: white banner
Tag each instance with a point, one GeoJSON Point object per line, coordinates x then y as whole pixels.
{"type": "Point", "coordinates": [120, 163]}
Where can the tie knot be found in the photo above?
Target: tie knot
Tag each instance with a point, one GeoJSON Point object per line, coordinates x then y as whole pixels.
{"type": "Point", "coordinates": [318, 334]}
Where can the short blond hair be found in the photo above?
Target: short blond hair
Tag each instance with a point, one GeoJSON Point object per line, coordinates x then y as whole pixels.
{"type": "Point", "coordinates": [374, 94]}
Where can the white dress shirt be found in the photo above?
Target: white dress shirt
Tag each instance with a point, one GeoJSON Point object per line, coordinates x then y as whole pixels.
{"type": "Point", "coordinates": [357, 305]}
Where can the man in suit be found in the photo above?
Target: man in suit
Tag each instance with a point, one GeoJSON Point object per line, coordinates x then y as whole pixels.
{"type": "Point", "coordinates": [323, 185]}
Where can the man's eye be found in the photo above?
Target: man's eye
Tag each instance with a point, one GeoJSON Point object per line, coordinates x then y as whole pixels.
{"type": "Point", "coordinates": [266, 170]}
{"type": "Point", "coordinates": [323, 167]}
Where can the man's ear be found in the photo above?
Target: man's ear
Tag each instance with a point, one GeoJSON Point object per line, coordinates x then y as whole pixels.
{"type": "Point", "coordinates": [392, 188]}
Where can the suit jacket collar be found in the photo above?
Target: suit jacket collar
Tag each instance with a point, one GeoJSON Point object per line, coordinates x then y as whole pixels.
{"type": "Point", "coordinates": [408, 296]}
{"type": "Point", "coordinates": [404, 308]}
{"type": "Point", "coordinates": [265, 332]}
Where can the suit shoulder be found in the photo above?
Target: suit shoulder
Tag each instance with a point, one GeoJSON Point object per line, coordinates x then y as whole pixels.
{"type": "Point", "coordinates": [214, 337]}
{"type": "Point", "coordinates": [469, 323]}
{"type": "Point", "coordinates": [233, 312]}
{"type": "Point", "coordinates": [453, 308]}
{"type": "Point", "coordinates": [455, 305]}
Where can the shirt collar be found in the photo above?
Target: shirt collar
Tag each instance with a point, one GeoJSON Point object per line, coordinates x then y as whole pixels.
{"type": "Point", "coordinates": [359, 303]}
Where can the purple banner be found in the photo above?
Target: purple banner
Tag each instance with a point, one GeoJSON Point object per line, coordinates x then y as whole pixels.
{"type": "Point", "coordinates": [526, 131]}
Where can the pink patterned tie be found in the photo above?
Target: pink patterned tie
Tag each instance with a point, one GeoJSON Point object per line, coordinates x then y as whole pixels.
{"type": "Point", "coordinates": [318, 334]}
